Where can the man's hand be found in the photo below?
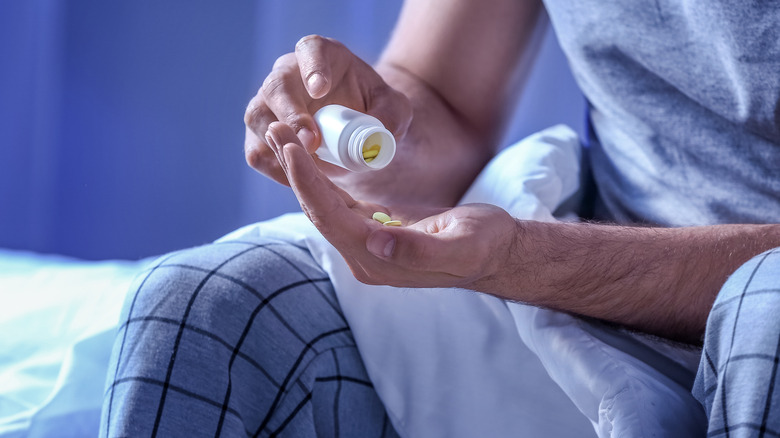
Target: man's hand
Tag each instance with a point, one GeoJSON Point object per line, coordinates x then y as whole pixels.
{"type": "Point", "coordinates": [321, 71]}
{"type": "Point", "coordinates": [434, 248]}
{"type": "Point", "coordinates": [442, 86]}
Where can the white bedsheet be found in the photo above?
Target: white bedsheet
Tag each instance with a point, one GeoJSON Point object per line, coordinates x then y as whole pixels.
{"type": "Point", "coordinates": [57, 318]}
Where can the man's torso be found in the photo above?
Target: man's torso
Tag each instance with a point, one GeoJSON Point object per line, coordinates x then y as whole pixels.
{"type": "Point", "coordinates": [685, 104]}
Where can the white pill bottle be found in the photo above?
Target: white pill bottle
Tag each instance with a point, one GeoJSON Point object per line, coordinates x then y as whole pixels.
{"type": "Point", "coordinates": [347, 133]}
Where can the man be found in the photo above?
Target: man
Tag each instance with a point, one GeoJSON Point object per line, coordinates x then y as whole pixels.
{"type": "Point", "coordinates": [685, 107]}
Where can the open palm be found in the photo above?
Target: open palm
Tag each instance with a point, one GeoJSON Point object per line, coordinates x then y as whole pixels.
{"type": "Point", "coordinates": [434, 247]}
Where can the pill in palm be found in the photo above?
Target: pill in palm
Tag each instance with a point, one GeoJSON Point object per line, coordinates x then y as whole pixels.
{"type": "Point", "coordinates": [381, 217]}
{"type": "Point", "coordinates": [393, 223]}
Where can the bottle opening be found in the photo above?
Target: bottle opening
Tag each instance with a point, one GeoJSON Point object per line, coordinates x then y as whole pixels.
{"type": "Point", "coordinates": [371, 148]}
{"type": "Point", "coordinates": [378, 149]}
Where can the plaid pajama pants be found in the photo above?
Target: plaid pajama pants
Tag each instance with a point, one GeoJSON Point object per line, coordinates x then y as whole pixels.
{"type": "Point", "coordinates": [240, 338]}
{"type": "Point", "coordinates": [246, 338]}
{"type": "Point", "coordinates": [737, 377]}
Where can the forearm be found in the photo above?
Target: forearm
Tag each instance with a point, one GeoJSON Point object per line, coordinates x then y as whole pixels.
{"type": "Point", "coordinates": [657, 280]}
{"type": "Point", "coordinates": [468, 52]}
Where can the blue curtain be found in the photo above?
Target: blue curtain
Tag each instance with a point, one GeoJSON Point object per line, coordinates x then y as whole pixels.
{"type": "Point", "coordinates": [121, 132]}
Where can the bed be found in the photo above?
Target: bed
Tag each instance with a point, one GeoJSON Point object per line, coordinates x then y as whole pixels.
{"type": "Point", "coordinates": [58, 319]}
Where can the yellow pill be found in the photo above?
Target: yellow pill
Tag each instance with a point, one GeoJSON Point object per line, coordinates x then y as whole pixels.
{"type": "Point", "coordinates": [381, 217]}
{"type": "Point", "coordinates": [370, 154]}
{"type": "Point", "coordinates": [368, 160]}
{"type": "Point", "coordinates": [370, 146]}
{"type": "Point", "coordinates": [392, 223]}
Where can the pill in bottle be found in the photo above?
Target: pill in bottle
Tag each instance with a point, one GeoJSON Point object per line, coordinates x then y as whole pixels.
{"type": "Point", "coordinates": [353, 140]}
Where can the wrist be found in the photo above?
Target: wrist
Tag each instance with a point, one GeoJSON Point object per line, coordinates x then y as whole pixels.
{"type": "Point", "coordinates": [513, 270]}
{"type": "Point", "coordinates": [540, 261]}
{"type": "Point", "coordinates": [530, 261]}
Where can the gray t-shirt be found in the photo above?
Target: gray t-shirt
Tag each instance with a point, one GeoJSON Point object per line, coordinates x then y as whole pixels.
{"type": "Point", "coordinates": [685, 104]}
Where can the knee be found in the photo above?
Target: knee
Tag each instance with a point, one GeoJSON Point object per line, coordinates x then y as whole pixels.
{"type": "Point", "coordinates": [758, 276]}
{"type": "Point", "coordinates": [742, 335]}
{"type": "Point", "coordinates": [227, 288]}
{"type": "Point", "coordinates": [216, 280]}
{"type": "Point", "coordinates": [172, 284]}
{"type": "Point", "coordinates": [749, 300]}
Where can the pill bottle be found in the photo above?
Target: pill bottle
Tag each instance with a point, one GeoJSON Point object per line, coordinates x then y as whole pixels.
{"type": "Point", "coordinates": [346, 136]}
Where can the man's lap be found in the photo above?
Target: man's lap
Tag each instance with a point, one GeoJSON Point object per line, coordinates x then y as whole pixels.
{"type": "Point", "coordinates": [237, 337]}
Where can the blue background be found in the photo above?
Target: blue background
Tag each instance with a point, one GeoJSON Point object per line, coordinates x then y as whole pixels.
{"type": "Point", "coordinates": [121, 131]}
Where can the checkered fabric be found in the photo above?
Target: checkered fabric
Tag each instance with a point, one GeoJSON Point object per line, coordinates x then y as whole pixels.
{"type": "Point", "coordinates": [238, 339]}
{"type": "Point", "coordinates": [737, 378]}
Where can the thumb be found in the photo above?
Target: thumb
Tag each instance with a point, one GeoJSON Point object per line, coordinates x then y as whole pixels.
{"type": "Point", "coordinates": [414, 249]}
{"type": "Point", "coordinates": [381, 244]}
{"type": "Point", "coordinates": [315, 55]}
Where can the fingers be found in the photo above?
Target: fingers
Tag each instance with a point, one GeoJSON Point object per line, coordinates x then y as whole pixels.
{"type": "Point", "coordinates": [315, 58]}
{"type": "Point", "coordinates": [413, 249]}
{"type": "Point", "coordinates": [320, 71]}
{"type": "Point", "coordinates": [284, 97]}
{"type": "Point", "coordinates": [467, 243]}
{"type": "Point", "coordinates": [258, 117]}
{"type": "Point", "coordinates": [310, 179]}
{"type": "Point", "coordinates": [406, 257]}
{"type": "Point", "coordinates": [325, 63]}
{"type": "Point", "coordinates": [262, 158]}
{"type": "Point", "coordinates": [327, 206]}
{"type": "Point", "coordinates": [295, 82]}
{"type": "Point", "coordinates": [431, 252]}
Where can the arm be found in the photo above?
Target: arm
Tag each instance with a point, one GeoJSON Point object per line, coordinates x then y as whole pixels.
{"type": "Point", "coordinates": [441, 87]}
{"type": "Point", "coordinates": [657, 280]}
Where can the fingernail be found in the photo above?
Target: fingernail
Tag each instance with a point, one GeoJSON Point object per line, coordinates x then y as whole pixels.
{"type": "Point", "coordinates": [316, 84]}
{"type": "Point", "coordinates": [381, 244]}
{"type": "Point", "coordinates": [307, 138]}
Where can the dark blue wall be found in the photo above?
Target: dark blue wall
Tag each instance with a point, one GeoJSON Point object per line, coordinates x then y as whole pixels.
{"type": "Point", "coordinates": [122, 133]}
